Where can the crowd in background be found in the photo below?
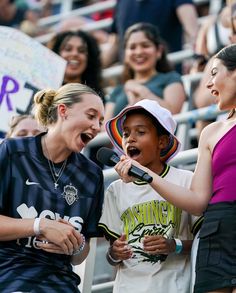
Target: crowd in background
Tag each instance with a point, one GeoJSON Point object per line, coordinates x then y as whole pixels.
{"type": "Point", "coordinates": [145, 72]}
{"type": "Point", "coordinates": [142, 35]}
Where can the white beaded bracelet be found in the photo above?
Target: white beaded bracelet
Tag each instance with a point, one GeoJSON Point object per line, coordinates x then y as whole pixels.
{"type": "Point", "coordinates": [36, 226]}
{"type": "Point", "coordinates": [81, 248]}
{"type": "Point", "coordinates": [111, 260]}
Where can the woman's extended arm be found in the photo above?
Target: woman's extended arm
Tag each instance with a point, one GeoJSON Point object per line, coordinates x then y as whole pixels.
{"type": "Point", "coordinates": [193, 200]}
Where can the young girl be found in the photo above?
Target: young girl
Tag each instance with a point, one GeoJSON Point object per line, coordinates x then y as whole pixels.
{"type": "Point", "coordinates": [150, 238]}
{"type": "Point", "coordinates": [147, 73]}
{"type": "Point", "coordinates": [213, 186]}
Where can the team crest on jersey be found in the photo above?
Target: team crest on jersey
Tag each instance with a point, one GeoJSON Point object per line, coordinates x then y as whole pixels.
{"type": "Point", "coordinates": [70, 194]}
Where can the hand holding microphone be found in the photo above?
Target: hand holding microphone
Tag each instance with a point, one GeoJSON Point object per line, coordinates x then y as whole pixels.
{"type": "Point", "coordinates": [123, 168]}
{"type": "Point", "coordinates": [110, 158]}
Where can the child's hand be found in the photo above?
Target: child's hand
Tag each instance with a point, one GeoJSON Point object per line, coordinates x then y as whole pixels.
{"type": "Point", "coordinates": [158, 244]}
{"type": "Point", "coordinates": [120, 250]}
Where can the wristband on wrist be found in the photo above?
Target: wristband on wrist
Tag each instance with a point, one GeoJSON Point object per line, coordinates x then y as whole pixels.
{"type": "Point", "coordinates": [36, 226]}
{"type": "Point", "coordinates": [111, 260]}
{"type": "Point", "coordinates": [178, 245]}
{"type": "Point", "coordinates": [81, 248]}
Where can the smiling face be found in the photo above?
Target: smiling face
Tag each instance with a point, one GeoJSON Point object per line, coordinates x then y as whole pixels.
{"type": "Point", "coordinates": [74, 51]}
{"type": "Point", "coordinates": [141, 54]}
{"type": "Point", "coordinates": [141, 141]}
{"type": "Point", "coordinates": [222, 85]}
{"type": "Point", "coordinates": [80, 123]}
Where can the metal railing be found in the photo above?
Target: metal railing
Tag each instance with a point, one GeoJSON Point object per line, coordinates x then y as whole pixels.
{"type": "Point", "coordinates": [105, 5]}
{"type": "Point", "coordinates": [175, 58]}
{"type": "Point", "coordinates": [100, 24]}
{"type": "Point", "coordinates": [84, 11]}
{"type": "Point", "coordinates": [186, 117]}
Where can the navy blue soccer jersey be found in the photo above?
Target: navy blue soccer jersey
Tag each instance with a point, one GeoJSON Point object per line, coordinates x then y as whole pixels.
{"type": "Point", "coordinates": [27, 190]}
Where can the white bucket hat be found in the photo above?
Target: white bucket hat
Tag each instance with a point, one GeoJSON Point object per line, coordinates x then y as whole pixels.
{"type": "Point", "coordinates": [162, 115]}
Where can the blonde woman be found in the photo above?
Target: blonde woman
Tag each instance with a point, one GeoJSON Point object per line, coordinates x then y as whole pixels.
{"type": "Point", "coordinates": [50, 194]}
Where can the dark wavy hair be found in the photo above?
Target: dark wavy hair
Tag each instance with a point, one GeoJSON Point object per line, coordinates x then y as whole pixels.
{"type": "Point", "coordinates": [227, 55]}
{"type": "Point", "coordinates": [152, 33]}
{"type": "Point", "coordinates": [92, 76]}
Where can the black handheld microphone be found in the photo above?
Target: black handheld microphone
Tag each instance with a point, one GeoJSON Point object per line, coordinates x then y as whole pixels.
{"type": "Point", "coordinates": [107, 157]}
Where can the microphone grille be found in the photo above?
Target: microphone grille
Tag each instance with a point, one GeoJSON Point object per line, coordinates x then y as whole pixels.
{"type": "Point", "coordinates": [104, 155]}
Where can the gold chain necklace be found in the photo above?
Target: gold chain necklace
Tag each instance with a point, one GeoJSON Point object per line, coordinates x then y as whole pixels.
{"type": "Point", "coordinates": [55, 175]}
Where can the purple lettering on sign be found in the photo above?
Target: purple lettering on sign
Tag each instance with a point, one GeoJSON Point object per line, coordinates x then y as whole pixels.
{"type": "Point", "coordinates": [9, 86]}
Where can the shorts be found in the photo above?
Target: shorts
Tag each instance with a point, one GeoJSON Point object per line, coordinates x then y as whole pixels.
{"type": "Point", "coordinates": [216, 257]}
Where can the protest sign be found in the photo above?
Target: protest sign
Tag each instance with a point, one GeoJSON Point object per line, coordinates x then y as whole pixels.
{"type": "Point", "coordinates": [26, 67]}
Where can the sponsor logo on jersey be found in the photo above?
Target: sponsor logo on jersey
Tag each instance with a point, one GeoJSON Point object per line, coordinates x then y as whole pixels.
{"type": "Point", "coordinates": [26, 212]}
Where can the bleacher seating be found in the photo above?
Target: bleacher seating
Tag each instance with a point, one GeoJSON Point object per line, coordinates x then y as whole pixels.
{"type": "Point", "coordinates": [186, 117]}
